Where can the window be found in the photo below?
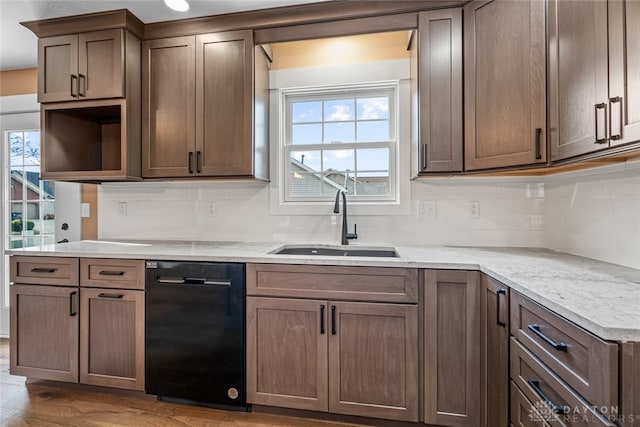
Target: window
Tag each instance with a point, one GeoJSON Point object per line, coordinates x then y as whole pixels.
{"type": "Point", "coordinates": [340, 139]}
{"type": "Point", "coordinates": [30, 201]}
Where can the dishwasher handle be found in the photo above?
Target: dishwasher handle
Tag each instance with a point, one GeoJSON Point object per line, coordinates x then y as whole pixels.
{"type": "Point", "coordinates": [193, 281]}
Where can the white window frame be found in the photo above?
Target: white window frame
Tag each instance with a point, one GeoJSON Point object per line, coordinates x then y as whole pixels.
{"type": "Point", "coordinates": [288, 96]}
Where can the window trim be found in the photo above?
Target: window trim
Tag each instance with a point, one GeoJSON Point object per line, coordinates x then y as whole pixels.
{"type": "Point", "coordinates": [390, 88]}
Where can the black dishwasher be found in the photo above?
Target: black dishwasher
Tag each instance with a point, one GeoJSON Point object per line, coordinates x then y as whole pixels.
{"type": "Point", "coordinates": [195, 333]}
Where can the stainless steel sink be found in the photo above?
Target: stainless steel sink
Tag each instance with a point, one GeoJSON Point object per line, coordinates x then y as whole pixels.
{"type": "Point", "coordinates": [337, 251]}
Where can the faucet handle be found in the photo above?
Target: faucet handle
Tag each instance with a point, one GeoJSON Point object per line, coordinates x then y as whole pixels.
{"type": "Point", "coordinates": [354, 235]}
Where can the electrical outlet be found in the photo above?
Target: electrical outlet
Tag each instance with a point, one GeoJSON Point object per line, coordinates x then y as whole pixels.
{"type": "Point", "coordinates": [212, 209]}
{"type": "Point", "coordinates": [86, 210]}
{"type": "Point", "coordinates": [427, 209]}
{"type": "Point", "coordinates": [122, 208]}
{"type": "Point", "coordinates": [474, 209]}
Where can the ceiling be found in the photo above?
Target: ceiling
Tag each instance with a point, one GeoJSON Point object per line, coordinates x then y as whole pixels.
{"type": "Point", "coordinates": [18, 45]}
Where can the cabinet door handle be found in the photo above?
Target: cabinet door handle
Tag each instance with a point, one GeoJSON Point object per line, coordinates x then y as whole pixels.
{"type": "Point", "coordinates": [73, 83]}
{"type": "Point", "coordinates": [601, 106]}
{"type": "Point", "coordinates": [499, 292]}
{"type": "Point", "coordinates": [198, 161]}
{"type": "Point", "coordinates": [557, 409]}
{"type": "Point", "coordinates": [424, 156]}
{"type": "Point", "coordinates": [72, 305]}
{"type": "Point", "coordinates": [190, 161]}
{"type": "Point", "coordinates": [560, 346]}
{"type": "Point", "coordinates": [43, 270]}
{"type": "Point", "coordinates": [615, 100]}
{"type": "Point", "coordinates": [82, 85]}
{"type": "Point", "coordinates": [538, 143]}
{"type": "Point", "coordinates": [321, 319]}
{"type": "Point", "coordinates": [333, 320]}
{"type": "Point", "coordinates": [111, 273]}
{"type": "Point", "coordinates": [114, 296]}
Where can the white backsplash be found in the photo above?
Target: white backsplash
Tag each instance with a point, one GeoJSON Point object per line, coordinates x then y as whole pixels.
{"type": "Point", "coordinates": [511, 214]}
{"type": "Point", "coordinates": [594, 214]}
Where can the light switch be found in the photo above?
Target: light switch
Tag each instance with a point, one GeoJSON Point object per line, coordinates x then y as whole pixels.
{"type": "Point", "coordinates": [86, 210]}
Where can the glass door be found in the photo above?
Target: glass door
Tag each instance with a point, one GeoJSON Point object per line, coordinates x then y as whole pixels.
{"type": "Point", "coordinates": [30, 201]}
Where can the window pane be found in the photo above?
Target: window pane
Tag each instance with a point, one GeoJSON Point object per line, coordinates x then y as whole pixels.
{"type": "Point", "coordinates": [338, 160]}
{"type": "Point", "coordinates": [307, 111]}
{"type": "Point", "coordinates": [305, 161]}
{"type": "Point", "coordinates": [33, 213]}
{"type": "Point", "coordinates": [305, 184]}
{"type": "Point", "coordinates": [373, 185]}
{"type": "Point", "coordinates": [48, 190]}
{"type": "Point", "coordinates": [15, 147]}
{"type": "Point", "coordinates": [339, 132]}
{"type": "Point", "coordinates": [16, 215]}
{"type": "Point", "coordinates": [306, 134]}
{"type": "Point", "coordinates": [32, 148]}
{"type": "Point", "coordinates": [339, 110]}
{"type": "Point", "coordinates": [373, 159]}
{"type": "Point", "coordinates": [373, 131]}
{"type": "Point", "coordinates": [32, 182]}
{"type": "Point", "coordinates": [373, 108]}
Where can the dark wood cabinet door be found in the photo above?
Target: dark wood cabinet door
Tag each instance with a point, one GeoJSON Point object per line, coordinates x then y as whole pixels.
{"type": "Point", "coordinates": [505, 83]}
{"type": "Point", "coordinates": [112, 338]}
{"type": "Point", "coordinates": [101, 64]}
{"type": "Point", "coordinates": [373, 360]}
{"type": "Point", "coordinates": [58, 68]}
{"type": "Point", "coordinates": [624, 71]}
{"type": "Point", "coordinates": [494, 303]}
{"type": "Point", "coordinates": [451, 348]}
{"type": "Point", "coordinates": [578, 77]}
{"type": "Point", "coordinates": [44, 332]}
{"type": "Point", "coordinates": [224, 104]}
{"type": "Point", "coordinates": [439, 69]}
{"type": "Point", "coordinates": [168, 107]}
{"type": "Point", "coordinates": [287, 353]}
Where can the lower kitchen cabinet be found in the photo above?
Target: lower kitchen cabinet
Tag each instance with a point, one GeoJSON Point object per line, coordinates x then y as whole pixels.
{"type": "Point", "coordinates": [342, 357]}
{"type": "Point", "coordinates": [451, 348]}
{"type": "Point", "coordinates": [112, 338]}
{"type": "Point", "coordinates": [91, 335]}
{"type": "Point", "coordinates": [287, 353]}
{"type": "Point", "coordinates": [44, 332]}
{"type": "Point", "coordinates": [494, 306]}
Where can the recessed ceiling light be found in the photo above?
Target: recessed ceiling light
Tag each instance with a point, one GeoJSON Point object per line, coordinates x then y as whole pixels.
{"type": "Point", "coordinates": [177, 5]}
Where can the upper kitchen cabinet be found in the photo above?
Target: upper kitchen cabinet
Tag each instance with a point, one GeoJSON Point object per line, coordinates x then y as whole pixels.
{"type": "Point", "coordinates": [89, 88]}
{"type": "Point", "coordinates": [505, 89]}
{"type": "Point", "coordinates": [205, 101]}
{"type": "Point", "coordinates": [81, 66]}
{"type": "Point", "coordinates": [436, 75]}
{"type": "Point", "coordinates": [594, 81]}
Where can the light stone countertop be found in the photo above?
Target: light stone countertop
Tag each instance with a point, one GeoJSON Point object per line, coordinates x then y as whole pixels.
{"type": "Point", "coordinates": [602, 298]}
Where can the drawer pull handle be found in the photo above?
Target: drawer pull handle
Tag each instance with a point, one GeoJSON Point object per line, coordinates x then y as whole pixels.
{"type": "Point", "coordinates": [321, 319]}
{"type": "Point", "coordinates": [557, 409]}
{"type": "Point", "coordinates": [560, 346]}
{"type": "Point", "coordinates": [114, 296]}
{"type": "Point", "coordinates": [499, 322]}
{"type": "Point", "coordinates": [43, 270]}
{"type": "Point", "coordinates": [538, 144]}
{"type": "Point", "coordinates": [111, 273]}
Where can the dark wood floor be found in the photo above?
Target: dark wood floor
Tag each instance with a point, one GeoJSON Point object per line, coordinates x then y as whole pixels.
{"type": "Point", "coordinates": [37, 404]}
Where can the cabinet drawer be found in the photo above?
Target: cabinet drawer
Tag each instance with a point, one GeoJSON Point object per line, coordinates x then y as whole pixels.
{"type": "Point", "coordinates": [523, 412]}
{"type": "Point", "coordinates": [112, 273]}
{"type": "Point", "coordinates": [333, 282]}
{"type": "Point", "coordinates": [44, 270]}
{"type": "Point", "coordinates": [588, 364]}
{"type": "Point", "coordinates": [539, 384]}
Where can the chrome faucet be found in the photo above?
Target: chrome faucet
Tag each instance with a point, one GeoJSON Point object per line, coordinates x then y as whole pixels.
{"type": "Point", "coordinates": [346, 236]}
